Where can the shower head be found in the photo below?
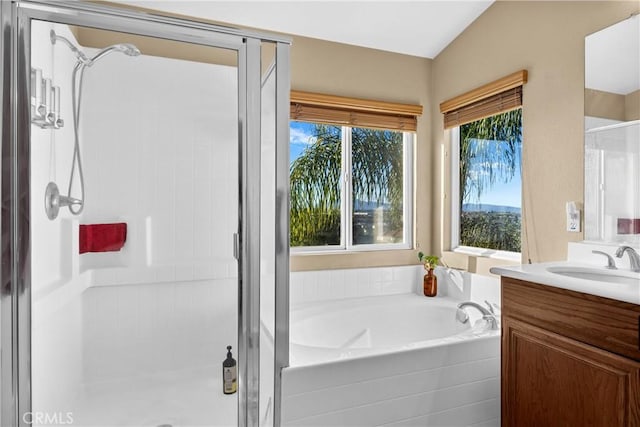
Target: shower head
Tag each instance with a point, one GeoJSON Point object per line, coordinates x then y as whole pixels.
{"type": "Point", "coordinates": [130, 49]}
{"type": "Point", "coordinates": [126, 48]}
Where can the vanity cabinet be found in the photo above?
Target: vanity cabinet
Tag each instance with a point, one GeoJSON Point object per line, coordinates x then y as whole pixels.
{"type": "Point", "coordinates": [568, 358]}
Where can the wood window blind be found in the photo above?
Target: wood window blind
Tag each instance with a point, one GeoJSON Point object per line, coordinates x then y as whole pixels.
{"type": "Point", "coordinates": [338, 110]}
{"type": "Point", "coordinates": [494, 98]}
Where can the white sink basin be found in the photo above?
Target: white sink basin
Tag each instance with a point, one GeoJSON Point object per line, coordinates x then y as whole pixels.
{"type": "Point", "coordinates": [597, 274]}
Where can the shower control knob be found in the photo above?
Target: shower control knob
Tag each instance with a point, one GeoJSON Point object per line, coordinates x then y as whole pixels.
{"type": "Point", "coordinates": [42, 110]}
{"type": "Point", "coordinates": [51, 118]}
{"type": "Point", "coordinates": [59, 123]}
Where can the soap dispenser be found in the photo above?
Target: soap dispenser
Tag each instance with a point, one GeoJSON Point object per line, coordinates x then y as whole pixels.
{"type": "Point", "coordinates": [229, 374]}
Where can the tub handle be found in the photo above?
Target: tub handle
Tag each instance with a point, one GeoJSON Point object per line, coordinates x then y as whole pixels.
{"type": "Point", "coordinates": [490, 307]}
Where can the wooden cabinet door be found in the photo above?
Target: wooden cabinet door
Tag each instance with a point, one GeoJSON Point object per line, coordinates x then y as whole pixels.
{"type": "Point", "coordinates": [550, 380]}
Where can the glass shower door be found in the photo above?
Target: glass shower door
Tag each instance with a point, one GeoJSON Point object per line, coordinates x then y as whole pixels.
{"type": "Point", "coordinates": [135, 297]}
{"type": "Point", "coordinates": [135, 236]}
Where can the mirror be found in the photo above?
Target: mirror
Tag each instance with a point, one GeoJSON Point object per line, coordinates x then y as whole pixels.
{"type": "Point", "coordinates": [612, 134]}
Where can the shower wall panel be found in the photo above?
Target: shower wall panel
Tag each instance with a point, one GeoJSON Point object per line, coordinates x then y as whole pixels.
{"type": "Point", "coordinates": [160, 148]}
{"type": "Point", "coordinates": [51, 155]}
{"type": "Point", "coordinates": [56, 316]}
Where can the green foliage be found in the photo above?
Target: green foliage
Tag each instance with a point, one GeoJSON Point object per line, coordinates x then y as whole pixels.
{"type": "Point", "coordinates": [494, 230]}
{"type": "Point", "coordinates": [315, 180]}
{"type": "Point", "coordinates": [315, 190]}
{"type": "Point", "coordinates": [377, 173]}
{"type": "Point", "coordinates": [429, 261]}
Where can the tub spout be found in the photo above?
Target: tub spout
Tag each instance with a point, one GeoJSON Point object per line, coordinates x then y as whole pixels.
{"type": "Point", "coordinates": [487, 315]}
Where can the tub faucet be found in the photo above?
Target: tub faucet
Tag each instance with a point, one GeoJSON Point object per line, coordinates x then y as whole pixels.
{"type": "Point", "coordinates": [487, 315]}
{"type": "Point", "coordinates": [634, 258]}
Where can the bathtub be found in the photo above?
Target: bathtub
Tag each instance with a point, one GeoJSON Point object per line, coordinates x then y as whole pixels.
{"type": "Point", "coordinates": [390, 360]}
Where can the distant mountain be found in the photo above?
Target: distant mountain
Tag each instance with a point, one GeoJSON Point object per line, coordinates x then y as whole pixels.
{"type": "Point", "coordinates": [479, 207]}
{"type": "Point", "coordinates": [363, 205]}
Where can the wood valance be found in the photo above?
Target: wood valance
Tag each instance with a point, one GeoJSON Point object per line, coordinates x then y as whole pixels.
{"type": "Point", "coordinates": [356, 112]}
{"type": "Point", "coordinates": [493, 98]}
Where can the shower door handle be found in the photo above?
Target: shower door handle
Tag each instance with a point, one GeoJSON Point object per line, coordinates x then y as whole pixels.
{"type": "Point", "coordinates": [236, 246]}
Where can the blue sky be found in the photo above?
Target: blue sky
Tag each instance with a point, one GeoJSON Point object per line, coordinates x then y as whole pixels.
{"type": "Point", "coordinates": [502, 194]}
{"type": "Point", "coordinates": [300, 136]}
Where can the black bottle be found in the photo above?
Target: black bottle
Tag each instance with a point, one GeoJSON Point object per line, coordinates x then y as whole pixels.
{"type": "Point", "coordinates": [229, 374]}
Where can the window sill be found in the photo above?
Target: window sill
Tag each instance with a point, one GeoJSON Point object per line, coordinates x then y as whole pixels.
{"type": "Point", "coordinates": [479, 261]}
{"type": "Point", "coordinates": [367, 248]}
{"type": "Point", "coordinates": [488, 253]}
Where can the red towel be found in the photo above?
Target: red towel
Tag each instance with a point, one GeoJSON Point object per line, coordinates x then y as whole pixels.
{"type": "Point", "coordinates": [102, 237]}
{"type": "Point", "coordinates": [628, 225]}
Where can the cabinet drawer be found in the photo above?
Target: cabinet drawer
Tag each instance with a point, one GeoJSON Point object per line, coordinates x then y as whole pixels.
{"type": "Point", "coordinates": [604, 323]}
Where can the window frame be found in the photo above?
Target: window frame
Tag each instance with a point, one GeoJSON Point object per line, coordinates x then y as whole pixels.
{"type": "Point", "coordinates": [346, 201]}
{"type": "Point", "coordinates": [455, 209]}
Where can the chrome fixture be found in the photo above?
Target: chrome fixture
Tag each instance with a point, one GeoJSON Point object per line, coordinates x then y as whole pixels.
{"type": "Point", "coordinates": [634, 258]}
{"type": "Point", "coordinates": [45, 102]}
{"type": "Point", "coordinates": [611, 263]}
{"type": "Point", "coordinates": [126, 48]}
{"type": "Point", "coordinates": [77, 76]}
{"type": "Point", "coordinates": [488, 315]}
{"type": "Point", "coordinates": [53, 201]}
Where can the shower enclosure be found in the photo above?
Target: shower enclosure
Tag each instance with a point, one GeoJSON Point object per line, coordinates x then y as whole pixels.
{"type": "Point", "coordinates": [144, 222]}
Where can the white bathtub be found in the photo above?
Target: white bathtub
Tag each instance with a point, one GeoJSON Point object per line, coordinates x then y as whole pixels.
{"type": "Point", "coordinates": [332, 330]}
{"type": "Point", "coordinates": [390, 360]}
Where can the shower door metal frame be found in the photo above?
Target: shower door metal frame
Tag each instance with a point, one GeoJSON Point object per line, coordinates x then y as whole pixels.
{"type": "Point", "coordinates": [15, 267]}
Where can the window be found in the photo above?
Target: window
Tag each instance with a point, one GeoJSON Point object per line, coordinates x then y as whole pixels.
{"type": "Point", "coordinates": [486, 177]}
{"type": "Point", "coordinates": [486, 157]}
{"type": "Point", "coordinates": [351, 187]}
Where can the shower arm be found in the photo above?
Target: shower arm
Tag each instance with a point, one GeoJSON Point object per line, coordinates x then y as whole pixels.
{"type": "Point", "coordinates": [79, 54]}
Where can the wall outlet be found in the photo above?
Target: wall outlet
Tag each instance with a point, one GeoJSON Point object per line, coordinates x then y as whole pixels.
{"type": "Point", "coordinates": [573, 217]}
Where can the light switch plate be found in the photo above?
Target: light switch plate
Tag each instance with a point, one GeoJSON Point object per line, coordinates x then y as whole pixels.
{"type": "Point", "coordinates": [573, 217]}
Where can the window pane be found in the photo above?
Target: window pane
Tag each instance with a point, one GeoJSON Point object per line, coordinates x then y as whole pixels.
{"type": "Point", "coordinates": [315, 171]}
{"type": "Point", "coordinates": [490, 182]}
{"type": "Point", "coordinates": [377, 179]}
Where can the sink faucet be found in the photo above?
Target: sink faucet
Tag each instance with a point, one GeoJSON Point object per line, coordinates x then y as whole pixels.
{"type": "Point", "coordinates": [487, 315]}
{"type": "Point", "coordinates": [634, 258]}
{"type": "Point", "coordinates": [611, 263]}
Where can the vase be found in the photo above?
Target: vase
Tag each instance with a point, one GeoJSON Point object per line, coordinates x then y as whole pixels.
{"type": "Point", "coordinates": [430, 284]}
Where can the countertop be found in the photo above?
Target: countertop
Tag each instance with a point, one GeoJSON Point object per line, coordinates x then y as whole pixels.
{"type": "Point", "coordinates": [538, 273]}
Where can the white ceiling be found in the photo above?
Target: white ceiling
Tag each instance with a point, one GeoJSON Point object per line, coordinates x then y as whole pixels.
{"type": "Point", "coordinates": [419, 27]}
{"type": "Point", "coordinates": [612, 58]}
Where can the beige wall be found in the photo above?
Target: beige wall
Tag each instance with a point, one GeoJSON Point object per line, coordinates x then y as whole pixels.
{"type": "Point", "coordinates": [632, 106]}
{"type": "Point", "coordinates": [604, 104]}
{"type": "Point", "coordinates": [340, 69]}
{"type": "Point", "coordinates": [547, 39]}
{"type": "Point", "coordinates": [611, 105]}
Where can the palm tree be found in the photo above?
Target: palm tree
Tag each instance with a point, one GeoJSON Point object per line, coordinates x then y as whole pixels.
{"type": "Point", "coordinates": [315, 190]}
{"type": "Point", "coordinates": [490, 149]}
{"type": "Point", "coordinates": [315, 179]}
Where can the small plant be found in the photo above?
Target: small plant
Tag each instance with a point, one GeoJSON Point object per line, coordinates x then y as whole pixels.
{"type": "Point", "coordinates": [429, 261]}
